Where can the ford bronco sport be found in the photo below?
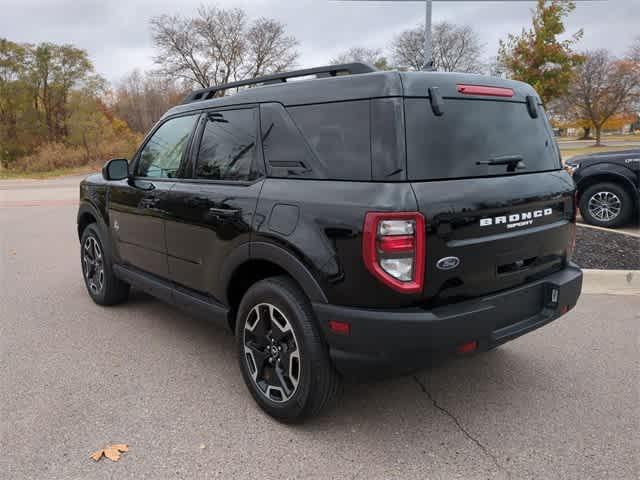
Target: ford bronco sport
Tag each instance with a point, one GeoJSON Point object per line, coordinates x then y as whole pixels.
{"type": "Point", "coordinates": [340, 224]}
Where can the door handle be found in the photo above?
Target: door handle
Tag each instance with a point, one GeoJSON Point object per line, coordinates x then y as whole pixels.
{"type": "Point", "coordinates": [223, 212]}
{"type": "Point", "coordinates": [149, 202]}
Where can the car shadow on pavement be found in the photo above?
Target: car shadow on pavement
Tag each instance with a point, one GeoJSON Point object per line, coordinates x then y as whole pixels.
{"type": "Point", "coordinates": [466, 381]}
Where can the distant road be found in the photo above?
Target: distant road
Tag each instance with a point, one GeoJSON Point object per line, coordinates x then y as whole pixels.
{"type": "Point", "coordinates": [605, 143]}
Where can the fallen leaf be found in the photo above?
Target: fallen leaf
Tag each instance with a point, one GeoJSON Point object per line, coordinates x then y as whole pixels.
{"type": "Point", "coordinates": [112, 452]}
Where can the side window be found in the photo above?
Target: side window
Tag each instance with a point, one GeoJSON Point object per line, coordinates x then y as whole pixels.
{"type": "Point", "coordinates": [286, 152]}
{"type": "Point", "coordinates": [228, 146]}
{"type": "Point", "coordinates": [161, 156]}
{"type": "Point", "coordinates": [339, 134]}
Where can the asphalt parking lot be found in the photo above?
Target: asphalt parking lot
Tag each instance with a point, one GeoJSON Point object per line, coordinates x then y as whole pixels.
{"type": "Point", "coordinates": [560, 403]}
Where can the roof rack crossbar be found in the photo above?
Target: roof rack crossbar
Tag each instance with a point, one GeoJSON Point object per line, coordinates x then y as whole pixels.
{"type": "Point", "coordinates": [328, 71]}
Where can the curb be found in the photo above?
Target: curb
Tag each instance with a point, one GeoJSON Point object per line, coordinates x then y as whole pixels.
{"type": "Point", "coordinates": [611, 282]}
{"type": "Point", "coordinates": [610, 230]}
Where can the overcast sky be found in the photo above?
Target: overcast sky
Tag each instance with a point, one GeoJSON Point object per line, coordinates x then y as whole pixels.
{"type": "Point", "coordinates": [116, 32]}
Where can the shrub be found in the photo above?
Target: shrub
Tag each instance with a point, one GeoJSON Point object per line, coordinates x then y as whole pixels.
{"type": "Point", "coordinates": [54, 156]}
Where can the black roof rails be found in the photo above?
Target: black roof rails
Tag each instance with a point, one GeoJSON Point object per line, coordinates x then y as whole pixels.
{"type": "Point", "coordinates": [328, 71]}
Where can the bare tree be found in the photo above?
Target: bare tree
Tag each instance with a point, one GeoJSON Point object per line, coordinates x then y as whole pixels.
{"type": "Point", "coordinates": [220, 45]}
{"type": "Point", "coordinates": [455, 48]}
{"type": "Point", "coordinates": [603, 87]}
{"type": "Point", "coordinates": [141, 99]}
{"type": "Point", "coordinates": [373, 56]}
{"type": "Point", "coordinates": [182, 53]}
{"type": "Point", "coordinates": [408, 49]}
{"type": "Point", "coordinates": [634, 51]}
{"type": "Point", "coordinates": [270, 49]}
{"type": "Point", "coordinates": [221, 34]}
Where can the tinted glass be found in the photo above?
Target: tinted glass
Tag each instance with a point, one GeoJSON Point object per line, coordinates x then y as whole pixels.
{"type": "Point", "coordinates": [285, 150]}
{"type": "Point", "coordinates": [472, 131]}
{"type": "Point", "coordinates": [161, 156]}
{"type": "Point", "coordinates": [338, 133]}
{"type": "Point", "coordinates": [387, 139]}
{"type": "Point", "coordinates": [228, 147]}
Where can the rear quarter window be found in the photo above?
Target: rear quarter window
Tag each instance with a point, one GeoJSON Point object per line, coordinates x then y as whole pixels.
{"type": "Point", "coordinates": [330, 141]}
{"type": "Point", "coordinates": [472, 131]}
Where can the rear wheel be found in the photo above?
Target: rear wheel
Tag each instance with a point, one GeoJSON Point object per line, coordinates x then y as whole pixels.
{"type": "Point", "coordinates": [606, 205]}
{"type": "Point", "coordinates": [97, 270]}
{"type": "Point", "coordinates": [284, 362]}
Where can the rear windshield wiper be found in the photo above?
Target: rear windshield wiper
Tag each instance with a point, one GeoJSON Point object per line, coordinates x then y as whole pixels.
{"type": "Point", "coordinates": [512, 162]}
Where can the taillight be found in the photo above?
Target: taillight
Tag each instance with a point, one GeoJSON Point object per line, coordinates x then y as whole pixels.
{"type": "Point", "coordinates": [393, 247]}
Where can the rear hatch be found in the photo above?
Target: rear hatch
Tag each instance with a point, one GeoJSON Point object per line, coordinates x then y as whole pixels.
{"type": "Point", "coordinates": [487, 176]}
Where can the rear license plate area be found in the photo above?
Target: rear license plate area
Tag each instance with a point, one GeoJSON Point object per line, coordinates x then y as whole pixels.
{"type": "Point", "coordinates": [523, 304]}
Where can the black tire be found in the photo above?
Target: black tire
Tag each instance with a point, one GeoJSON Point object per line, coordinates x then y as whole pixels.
{"type": "Point", "coordinates": [109, 290]}
{"type": "Point", "coordinates": [615, 195]}
{"type": "Point", "coordinates": [318, 383]}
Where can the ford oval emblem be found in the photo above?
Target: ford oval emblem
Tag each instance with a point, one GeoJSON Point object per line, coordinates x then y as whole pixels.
{"type": "Point", "coordinates": [448, 263]}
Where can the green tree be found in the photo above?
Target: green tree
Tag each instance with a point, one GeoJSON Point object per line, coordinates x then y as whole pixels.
{"type": "Point", "coordinates": [538, 57]}
{"type": "Point", "coordinates": [13, 96]}
{"type": "Point", "coordinates": [54, 71]}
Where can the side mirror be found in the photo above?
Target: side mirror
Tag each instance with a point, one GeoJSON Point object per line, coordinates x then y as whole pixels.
{"type": "Point", "coordinates": [116, 169]}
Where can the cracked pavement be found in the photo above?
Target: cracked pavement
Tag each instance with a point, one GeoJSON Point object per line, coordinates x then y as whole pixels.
{"type": "Point", "coordinates": [560, 403]}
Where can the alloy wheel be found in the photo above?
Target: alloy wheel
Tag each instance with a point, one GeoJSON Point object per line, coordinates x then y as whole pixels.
{"type": "Point", "coordinates": [604, 206]}
{"type": "Point", "coordinates": [93, 264]}
{"type": "Point", "coordinates": [272, 352]}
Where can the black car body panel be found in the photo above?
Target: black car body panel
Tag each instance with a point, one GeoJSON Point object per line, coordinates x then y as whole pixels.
{"type": "Point", "coordinates": [619, 168]}
{"type": "Point", "coordinates": [623, 166]}
{"type": "Point", "coordinates": [454, 210]}
{"type": "Point", "coordinates": [311, 161]}
{"type": "Point", "coordinates": [400, 337]}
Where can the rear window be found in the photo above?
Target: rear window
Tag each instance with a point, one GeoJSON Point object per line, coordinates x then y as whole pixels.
{"type": "Point", "coordinates": [473, 133]}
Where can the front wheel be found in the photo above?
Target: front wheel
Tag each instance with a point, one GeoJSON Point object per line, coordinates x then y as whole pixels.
{"type": "Point", "coordinates": [102, 285]}
{"type": "Point", "coordinates": [606, 205]}
{"type": "Point", "coordinates": [283, 359]}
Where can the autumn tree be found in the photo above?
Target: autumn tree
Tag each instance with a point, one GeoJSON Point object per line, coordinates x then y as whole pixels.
{"type": "Point", "coordinates": [54, 70]}
{"type": "Point", "coordinates": [221, 45]}
{"type": "Point", "coordinates": [51, 109]}
{"type": "Point", "coordinates": [13, 94]}
{"type": "Point", "coordinates": [373, 56]}
{"type": "Point", "coordinates": [604, 88]}
{"type": "Point", "coordinates": [537, 56]}
{"type": "Point", "coordinates": [456, 48]}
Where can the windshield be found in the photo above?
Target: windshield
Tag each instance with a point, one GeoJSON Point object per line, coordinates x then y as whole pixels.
{"type": "Point", "coordinates": [476, 138]}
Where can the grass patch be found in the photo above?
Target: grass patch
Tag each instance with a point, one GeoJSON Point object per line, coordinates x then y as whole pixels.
{"type": "Point", "coordinates": [58, 172]}
{"type": "Point", "coordinates": [567, 153]}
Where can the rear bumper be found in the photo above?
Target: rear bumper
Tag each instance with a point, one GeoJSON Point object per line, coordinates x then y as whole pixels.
{"type": "Point", "coordinates": [401, 338]}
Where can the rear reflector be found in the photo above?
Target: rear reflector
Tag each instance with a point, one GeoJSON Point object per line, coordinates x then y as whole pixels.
{"type": "Point", "coordinates": [483, 90]}
{"type": "Point", "coordinates": [399, 243]}
{"type": "Point", "coordinates": [467, 347]}
{"type": "Point", "coordinates": [342, 328]}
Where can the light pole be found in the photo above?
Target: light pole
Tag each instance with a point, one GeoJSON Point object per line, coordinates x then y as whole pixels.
{"type": "Point", "coordinates": [428, 42]}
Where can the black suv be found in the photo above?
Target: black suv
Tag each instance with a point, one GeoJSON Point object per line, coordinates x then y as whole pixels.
{"type": "Point", "coordinates": [342, 224]}
{"type": "Point", "coordinates": [608, 186]}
